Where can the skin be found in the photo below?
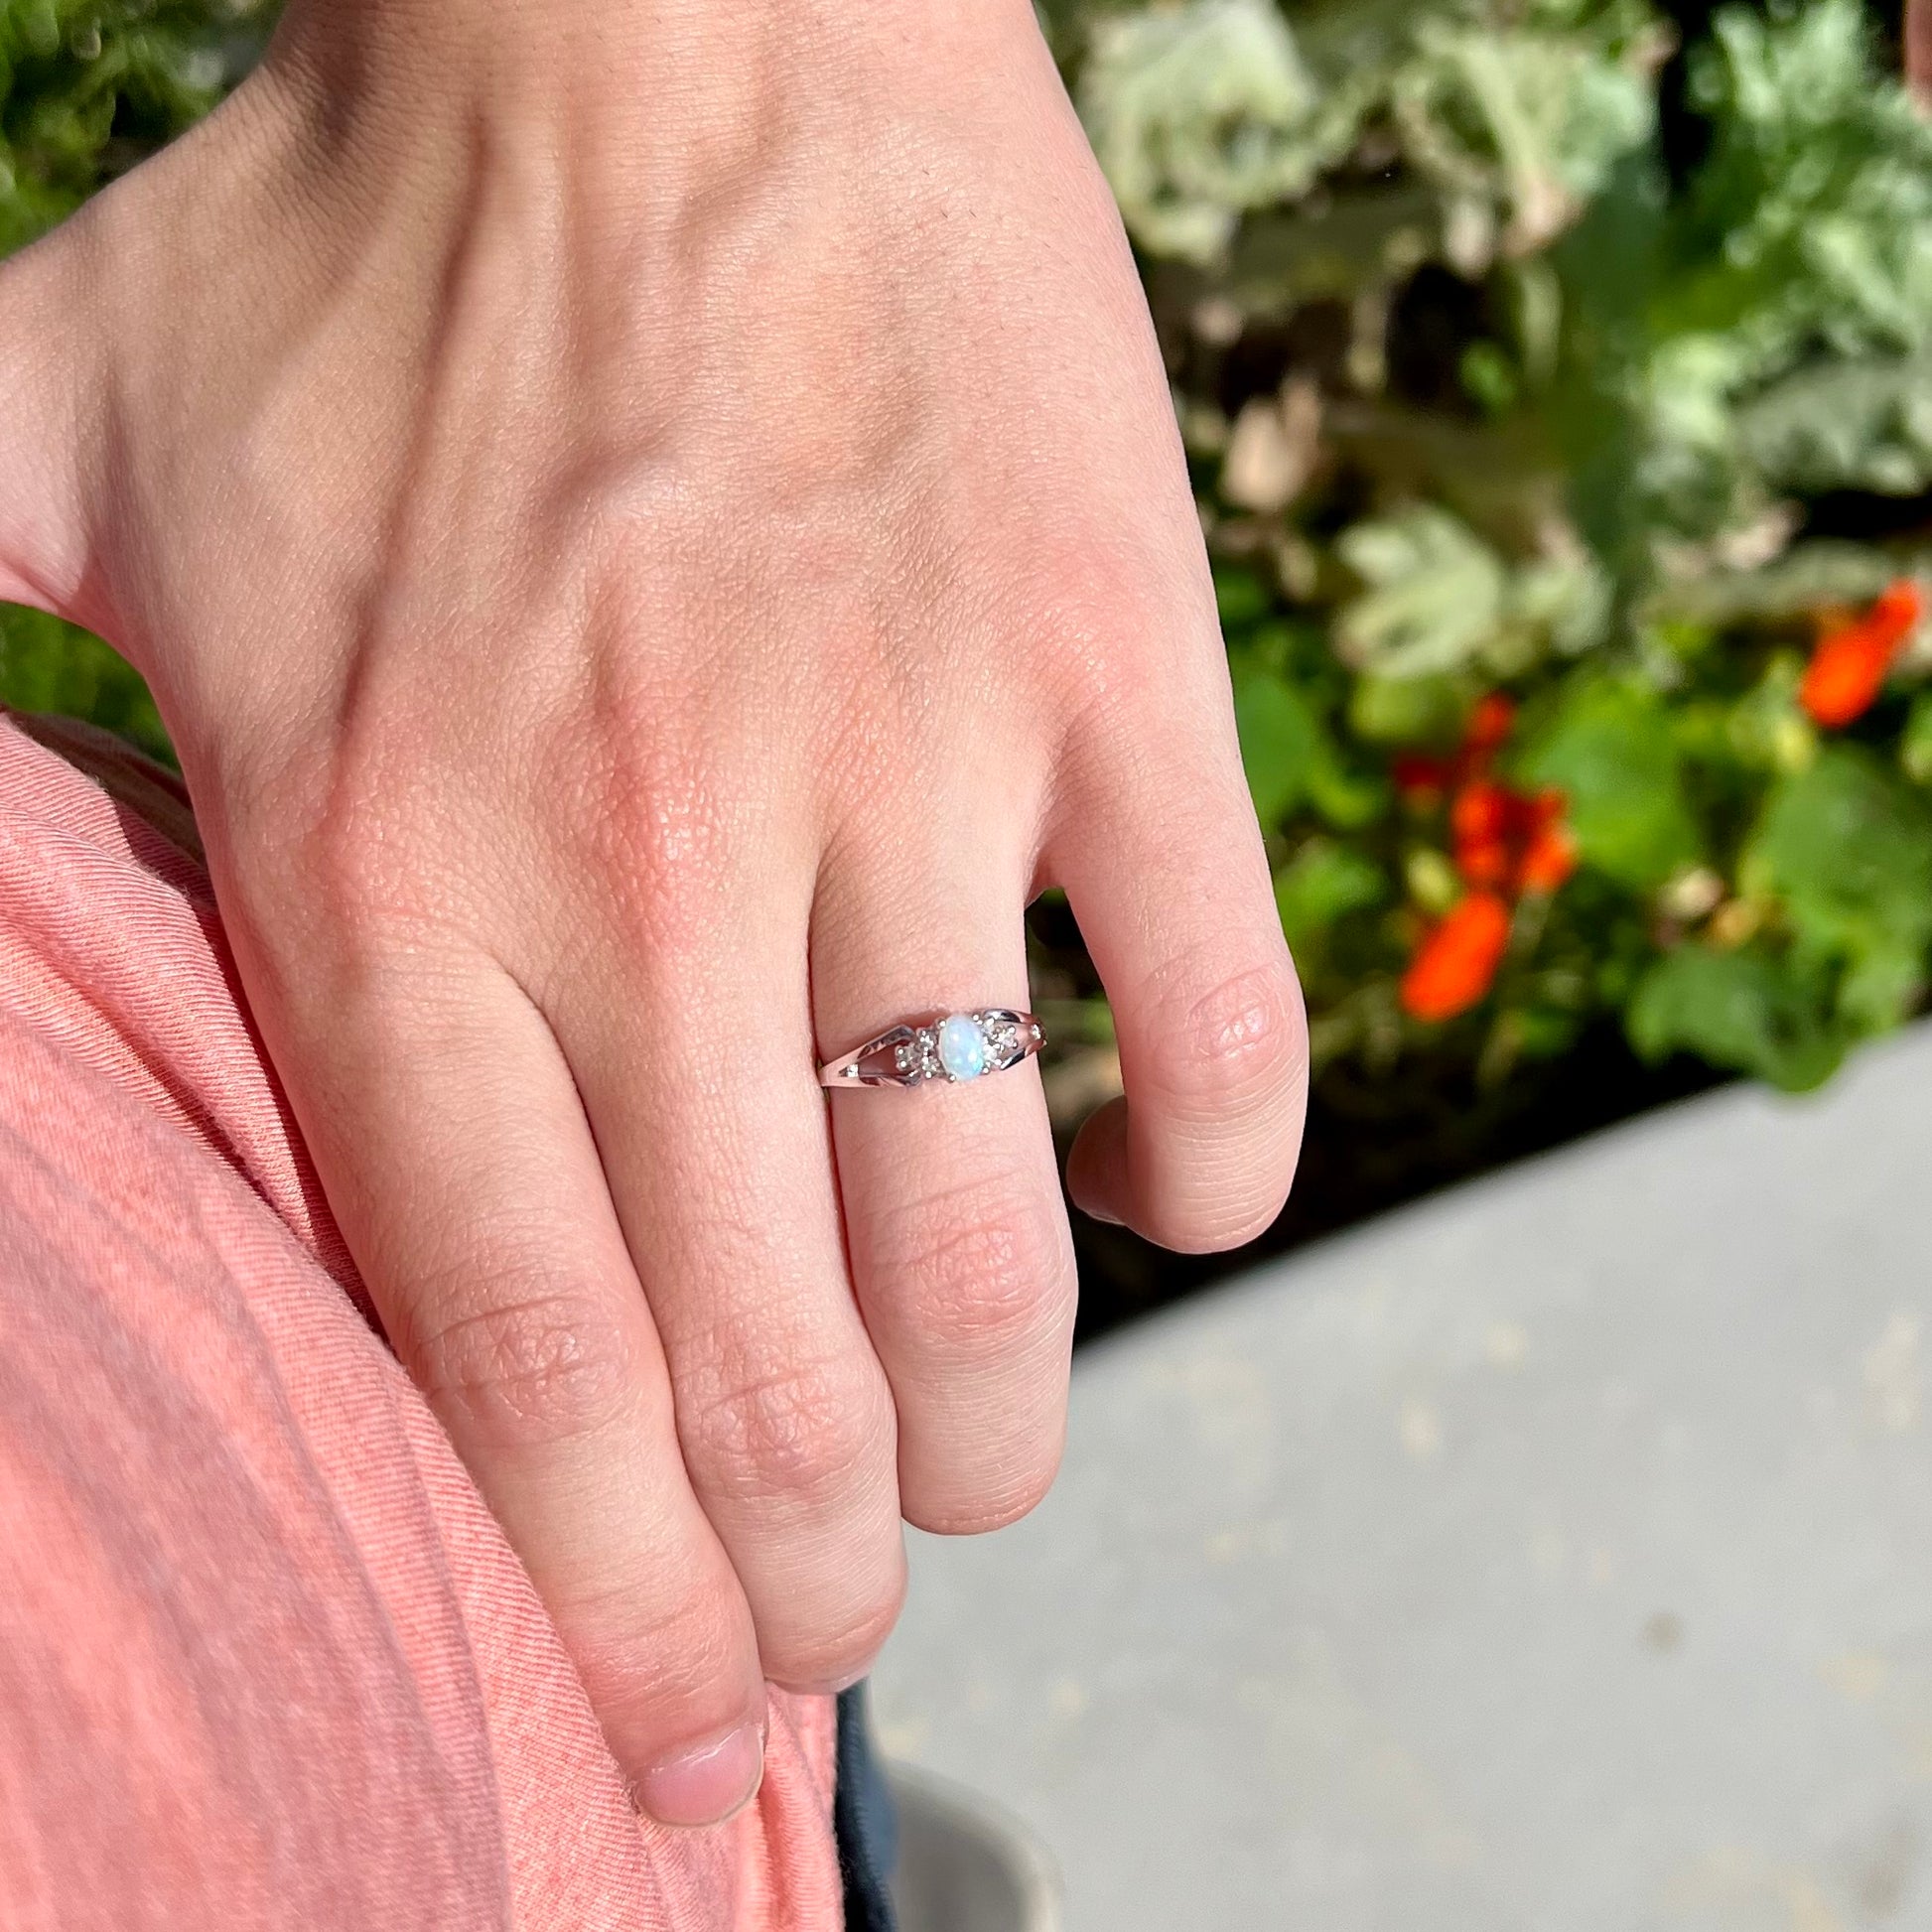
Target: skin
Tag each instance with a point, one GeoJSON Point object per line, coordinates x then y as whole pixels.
{"type": "Point", "coordinates": [657, 526]}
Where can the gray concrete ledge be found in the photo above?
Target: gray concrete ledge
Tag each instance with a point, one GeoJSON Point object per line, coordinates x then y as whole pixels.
{"type": "Point", "coordinates": [1555, 1554]}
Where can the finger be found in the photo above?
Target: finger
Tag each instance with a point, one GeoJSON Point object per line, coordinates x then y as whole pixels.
{"type": "Point", "coordinates": [960, 1252]}
{"type": "Point", "coordinates": [459, 1162]}
{"type": "Point", "coordinates": [1164, 867]}
{"type": "Point", "coordinates": [696, 1070]}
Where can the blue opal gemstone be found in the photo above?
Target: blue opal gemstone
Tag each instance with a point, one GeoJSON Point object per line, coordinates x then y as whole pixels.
{"type": "Point", "coordinates": [962, 1047]}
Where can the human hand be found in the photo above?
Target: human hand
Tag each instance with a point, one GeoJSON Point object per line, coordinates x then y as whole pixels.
{"type": "Point", "coordinates": [657, 528]}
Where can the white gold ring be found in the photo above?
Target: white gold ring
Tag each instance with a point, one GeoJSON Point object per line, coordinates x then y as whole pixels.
{"type": "Point", "coordinates": [953, 1047]}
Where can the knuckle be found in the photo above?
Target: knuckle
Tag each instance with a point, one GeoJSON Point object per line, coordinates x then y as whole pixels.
{"type": "Point", "coordinates": [844, 1646]}
{"type": "Point", "coordinates": [547, 1369]}
{"type": "Point", "coordinates": [983, 1272]}
{"type": "Point", "coordinates": [1238, 1045]}
{"type": "Point", "coordinates": [801, 1431]}
{"type": "Point", "coordinates": [652, 823]}
{"type": "Point", "coordinates": [1004, 1498]}
{"type": "Point", "coordinates": [644, 1656]}
{"type": "Point", "coordinates": [1226, 1072]}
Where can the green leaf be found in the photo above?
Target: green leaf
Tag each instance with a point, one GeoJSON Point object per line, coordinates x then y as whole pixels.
{"type": "Point", "coordinates": [1845, 849]}
{"type": "Point", "coordinates": [1323, 882]}
{"type": "Point", "coordinates": [1745, 1009]}
{"type": "Point", "coordinates": [1522, 127]}
{"type": "Point", "coordinates": [1409, 710]}
{"type": "Point", "coordinates": [48, 665]}
{"type": "Point", "coordinates": [1345, 799]}
{"type": "Point", "coordinates": [1768, 730]}
{"type": "Point", "coordinates": [1818, 191]}
{"type": "Point", "coordinates": [1199, 111]}
{"type": "Point", "coordinates": [1567, 601]}
{"type": "Point", "coordinates": [1240, 598]}
{"type": "Point", "coordinates": [1915, 742]}
{"type": "Point", "coordinates": [1280, 741]}
{"type": "Point", "coordinates": [1611, 750]}
{"type": "Point", "coordinates": [1860, 424]}
{"type": "Point", "coordinates": [1435, 595]}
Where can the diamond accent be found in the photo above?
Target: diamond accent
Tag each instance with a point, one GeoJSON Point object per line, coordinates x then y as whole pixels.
{"type": "Point", "coordinates": [1002, 1040]}
{"type": "Point", "coordinates": [918, 1057]}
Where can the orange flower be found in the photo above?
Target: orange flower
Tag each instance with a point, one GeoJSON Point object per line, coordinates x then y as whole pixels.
{"type": "Point", "coordinates": [1455, 965]}
{"type": "Point", "coordinates": [1480, 825]}
{"type": "Point", "coordinates": [1511, 841]}
{"type": "Point", "coordinates": [1506, 843]}
{"type": "Point", "coordinates": [1481, 812]}
{"type": "Point", "coordinates": [1549, 859]}
{"type": "Point", "coordinates": [1849, 666]}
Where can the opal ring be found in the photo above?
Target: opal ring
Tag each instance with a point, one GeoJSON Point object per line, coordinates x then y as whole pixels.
{"type": "Point", "coordinates": [952, 1047]}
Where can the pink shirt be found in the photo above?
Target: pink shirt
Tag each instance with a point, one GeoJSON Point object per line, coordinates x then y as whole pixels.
{"type": "Point", "coordinates": [265, 1659]}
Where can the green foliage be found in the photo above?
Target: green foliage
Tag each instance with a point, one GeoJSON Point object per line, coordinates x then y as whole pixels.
{"type": "Point", "coordinates": [1842, 860]}
{"type": "Point", "coordinates": [1812, 221]}
{"type": "Point", "coordinates": [1844, 851]}
{"type": "Point", "coordinates": [1281, 740]}
{"type": "Point", "coordinates": [1739, 1009]}
{"type": "Point", "coordinates": [1801, 249]}
{"type": "Point", "coordinates": [1489, 392]}
{"type": "Point", "coordinates": [1323, 882]}
{"type": "Point", "coordinates": [1611, 750]}
{"type": "Point", "coordinates": [87, 88]}
{"type": "Point", "coordinates": [1915, 741]}
{"type": "Point", "coordinates": [1202, 114]}
{"type": "Point", "coordinates": [1432, 595]}
{"type": "Point", "coordinates": [1860, 423]}
{"type": "Point", "coordinates": [48, 665]}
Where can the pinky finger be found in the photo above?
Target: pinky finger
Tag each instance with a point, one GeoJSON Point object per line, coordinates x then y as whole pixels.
{"type": "Point", "coordinates": [1168, 880]}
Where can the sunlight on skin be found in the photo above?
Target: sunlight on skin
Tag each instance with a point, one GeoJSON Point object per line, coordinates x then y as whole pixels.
{"type": "Point", "coordinates": [653, 538]}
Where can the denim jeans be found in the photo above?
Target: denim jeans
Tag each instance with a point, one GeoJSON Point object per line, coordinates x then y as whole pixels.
{"type": "Point", "coordinates": [865, 1819]}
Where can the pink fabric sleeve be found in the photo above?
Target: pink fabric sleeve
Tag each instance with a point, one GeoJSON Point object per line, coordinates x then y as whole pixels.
{"type": "Point", "coordinates": [265, 1659]}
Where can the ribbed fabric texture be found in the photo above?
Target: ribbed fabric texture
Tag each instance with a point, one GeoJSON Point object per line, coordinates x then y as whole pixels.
{"type": "Point", "coordinates": [265, 1658]}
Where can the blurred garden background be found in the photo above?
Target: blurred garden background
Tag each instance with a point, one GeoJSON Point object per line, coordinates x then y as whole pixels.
{"type": "Point", "coordinates": [1557, 381]}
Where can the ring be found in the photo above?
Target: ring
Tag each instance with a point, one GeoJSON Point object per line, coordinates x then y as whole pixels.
{"type": "Point", "coordinates": [951, 1046]}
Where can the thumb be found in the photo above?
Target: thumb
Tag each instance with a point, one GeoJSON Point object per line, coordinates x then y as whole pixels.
{"type": "Point", "coordinates": [52, 411]}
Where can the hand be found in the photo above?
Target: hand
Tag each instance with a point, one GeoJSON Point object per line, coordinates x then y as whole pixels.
{"type": "Point", "coordinates": [657, 528]}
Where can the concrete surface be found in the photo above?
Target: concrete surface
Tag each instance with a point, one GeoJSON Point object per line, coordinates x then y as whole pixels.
{"type": "Point", "coordinates": [964, 1866]}
{"type": "Point", "coordinates": [1555, 1554]}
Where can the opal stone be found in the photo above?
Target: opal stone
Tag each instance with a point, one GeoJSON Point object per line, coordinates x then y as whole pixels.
{"type": "Point", "coordinates": [962, 1047]}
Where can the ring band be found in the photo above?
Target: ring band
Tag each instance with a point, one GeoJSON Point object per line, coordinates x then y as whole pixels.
{"type": "Point", "coordinates": [954, 1047]}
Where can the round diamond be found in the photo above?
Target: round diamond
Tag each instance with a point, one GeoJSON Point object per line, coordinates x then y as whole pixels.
{"type": "Point", "coordinates": [962, 1047]}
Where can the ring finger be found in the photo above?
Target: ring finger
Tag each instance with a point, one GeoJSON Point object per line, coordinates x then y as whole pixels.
{"type": "Point", "coordinates": [958, 1241]}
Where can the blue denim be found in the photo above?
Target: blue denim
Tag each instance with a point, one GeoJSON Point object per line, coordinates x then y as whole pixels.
{"type": "Point", "coordinates": [865, 1820]}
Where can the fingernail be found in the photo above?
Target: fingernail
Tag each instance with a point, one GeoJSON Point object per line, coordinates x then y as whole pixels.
{"type": "Point", "coordinates": [706, 1784]}
{"type": "Point", "coordinates": [1095, 1212]}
